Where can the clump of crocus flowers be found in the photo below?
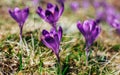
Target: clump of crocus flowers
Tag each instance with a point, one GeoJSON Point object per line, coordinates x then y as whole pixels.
{"type": "Point", "coordinates": [107, 14]}
{"type": "Point", "coordinates": [90, 30]}
{"type": "Point", "coordinates": [51, 15]}
{"type": "Point", "coordinates": [20, 16]}
{"type": "Point", "coordinates": [53, 38]}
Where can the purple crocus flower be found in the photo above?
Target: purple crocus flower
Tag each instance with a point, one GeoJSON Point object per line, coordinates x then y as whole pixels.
{"type": "Point", "coordinates": [52, 40]}
{"type": "Point", "coordinates": [75, 6]}
{"type": "Point", "coordinates": [20, 16]}
{"type": "Point", "coordinates": [114, 21]}
{"type": "Point", "coordinates": [101, 7]}
{"type": "Point", "coordinates": [51, 14]}
{"type": "Point", "coordinates": [90, 30]}
{"type": "Point", "coordinates": [86, 3]}
{"type": "Point", "coordinates": [35, 2]}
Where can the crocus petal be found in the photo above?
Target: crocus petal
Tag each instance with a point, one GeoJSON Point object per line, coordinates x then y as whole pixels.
{"type": "Point", "coordinates": [86, 26]}
{"type": "Point", "coordinates": [95, 33]}
{"type": "Point", "coordinates": [49, 16]}
{"type": "Point", "coordinates": [80, 27]}
{"type": "Point", "coordinates": [93, 24]}
{"type": "Point", "coordinates": [13, 15]}
{"type": "Point", "coordinates": [25, 13]}
{"type": "Point", "coordinates": [49, 5]}
{"type": "Point", "coordinates": [40, 12]}
{"type": "Point", "coordinates": [45, 32]}
{"type": "Point", "coordinates": [89, 26]}
{"type": "Point", "coordinates": [50, 42]}
{"type": "Point", "coordinates": [45, 42]}
{"type": "Point", "coordinates": [62, 6]}
{"type": "Point", "coordinates": [56, 37]}
{"type": "Point", "coordinates": [56, 13]}
{"type": "Point", "coordinates": [18, 14]}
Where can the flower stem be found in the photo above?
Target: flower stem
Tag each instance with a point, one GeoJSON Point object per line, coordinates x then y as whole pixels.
{"type": "Point", "coordinates": [54, 26]}
{"type": "Point", "coordinates": [20, 61]}
{"type": "Point", "coordinates": [20, 56]}
{"type": "Point", "coordinates": [20, 35]}
{"type": "Point", "coordinates": [58, 58]}
{"type": "Point", "coordinates": [87, 55]}
{"type": "Point", "coordinates": [58, 66]}
{"type": "Point", "coordinates": [20, 52]}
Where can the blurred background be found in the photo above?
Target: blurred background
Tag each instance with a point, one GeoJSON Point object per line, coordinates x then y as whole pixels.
{"type": "Point", "coordinates": [75, 10]}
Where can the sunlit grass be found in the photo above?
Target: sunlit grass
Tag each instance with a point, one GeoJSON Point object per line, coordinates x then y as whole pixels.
{"type": "Point", "coordinates": [39, 59]}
